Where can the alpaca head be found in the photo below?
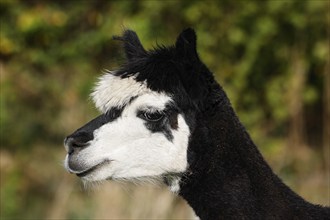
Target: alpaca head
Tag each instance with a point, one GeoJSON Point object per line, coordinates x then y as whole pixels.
{"type": "Point", "coordinates": [148, 109]}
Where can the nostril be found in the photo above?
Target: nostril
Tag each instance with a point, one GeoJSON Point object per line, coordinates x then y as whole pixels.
{"type": "Point", "coordinates": [77, 141]}
{"type": "Point", "coordinates": [77, 144]}
{"type": "Point", "coordinates": [73, 144]}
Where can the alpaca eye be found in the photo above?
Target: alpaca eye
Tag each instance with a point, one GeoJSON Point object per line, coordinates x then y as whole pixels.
{"type": "Point", "coordinates": [156, 116]}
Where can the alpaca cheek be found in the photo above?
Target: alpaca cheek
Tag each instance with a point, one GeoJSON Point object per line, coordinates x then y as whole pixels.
{"type": "Point", "coordinates": [137, 152]}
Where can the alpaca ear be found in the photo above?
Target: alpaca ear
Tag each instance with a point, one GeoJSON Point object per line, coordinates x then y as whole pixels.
{"type": "Point", "coordinates": [186, 44]}
{"type": "Point", "coordinates": [132, 45]}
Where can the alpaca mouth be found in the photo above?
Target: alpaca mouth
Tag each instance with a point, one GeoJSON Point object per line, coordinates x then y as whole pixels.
{"type": "Point", "coordinates": [93, 168]}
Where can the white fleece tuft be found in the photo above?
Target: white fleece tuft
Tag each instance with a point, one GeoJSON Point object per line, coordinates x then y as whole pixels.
{"type": "Point", "coordinates": [114, 91]}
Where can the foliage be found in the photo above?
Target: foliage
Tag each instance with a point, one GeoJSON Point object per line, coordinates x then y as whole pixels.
{"type": "Point", "coordinates": [52, 50]}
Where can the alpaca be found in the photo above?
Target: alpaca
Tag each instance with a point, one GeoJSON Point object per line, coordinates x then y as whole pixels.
{"type": "Point", "coordinates": [165, 118]}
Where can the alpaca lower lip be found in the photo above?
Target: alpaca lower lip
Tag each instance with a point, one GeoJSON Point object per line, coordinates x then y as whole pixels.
{"type": "Point", "coordinates": [93, 168]}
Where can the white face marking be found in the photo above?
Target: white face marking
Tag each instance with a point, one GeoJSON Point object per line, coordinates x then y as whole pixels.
{"type": "Point", "coordinates": [125, 147]}
{"type": "Point", "coordinates": [113, 91]}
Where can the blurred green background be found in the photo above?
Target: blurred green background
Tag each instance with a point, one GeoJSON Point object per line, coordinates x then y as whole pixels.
{"type": "Point", "coordinates": [271, 57]}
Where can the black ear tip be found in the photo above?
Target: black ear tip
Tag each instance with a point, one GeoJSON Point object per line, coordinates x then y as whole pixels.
{"type": "Point", "coordinates": [189, 34]}
{"type": "Point", "coordinates": [130, 34]}
{"type": "Point", "coordinates": [186, 44]}
{"type": "Point", "coordinates": [189, 31]}
{"type": "Point", "coordinates": [127, 35]}
{"type": "Point", "coordinates": [132, 45]}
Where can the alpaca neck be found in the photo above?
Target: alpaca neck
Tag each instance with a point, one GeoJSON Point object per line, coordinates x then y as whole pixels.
{"type": "Point", "coordinates": [229, 178]}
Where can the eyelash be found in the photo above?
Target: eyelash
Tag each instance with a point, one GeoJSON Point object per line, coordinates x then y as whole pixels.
{"type": "Point", "coordinates": [152, 116]}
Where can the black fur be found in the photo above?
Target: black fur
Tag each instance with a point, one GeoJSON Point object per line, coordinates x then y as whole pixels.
{"type": "Point", "coordinates": [227, 176]}
{"type": "Point", "coordinates": [132, 45]}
